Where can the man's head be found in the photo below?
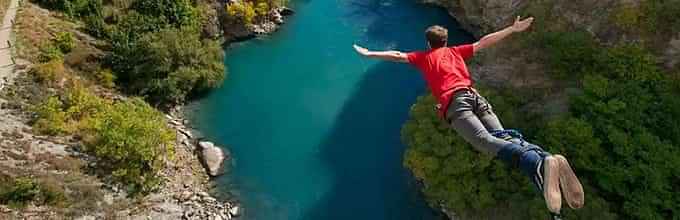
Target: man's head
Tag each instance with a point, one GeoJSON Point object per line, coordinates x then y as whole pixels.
{"type": "Point", "coordinates": [436, 36]}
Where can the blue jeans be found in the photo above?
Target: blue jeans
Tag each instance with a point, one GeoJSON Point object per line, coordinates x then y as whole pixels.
{"type": "Point", "coordinates": [473, 118]}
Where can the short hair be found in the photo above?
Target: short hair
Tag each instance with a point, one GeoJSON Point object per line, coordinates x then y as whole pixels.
{"type": "Point", "coordinates": [437, 36]}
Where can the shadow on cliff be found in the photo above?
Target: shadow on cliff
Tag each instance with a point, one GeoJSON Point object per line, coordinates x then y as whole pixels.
{"type": "Point", "coordinates": [363, 149]}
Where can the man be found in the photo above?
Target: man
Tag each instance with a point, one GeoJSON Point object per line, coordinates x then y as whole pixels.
{"type": "Point", "coordinates": [471, 115]}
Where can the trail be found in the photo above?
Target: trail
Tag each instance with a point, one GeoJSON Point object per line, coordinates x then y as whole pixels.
{"type": "Point", "coordinates": [6, 60]}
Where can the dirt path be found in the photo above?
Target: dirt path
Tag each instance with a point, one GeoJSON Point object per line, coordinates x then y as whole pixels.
{"type": "Point", "coordinates": [6, 61]}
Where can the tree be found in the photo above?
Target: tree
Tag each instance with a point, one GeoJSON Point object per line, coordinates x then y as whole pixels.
{"type": "Point", "coordinates": [169, 65]}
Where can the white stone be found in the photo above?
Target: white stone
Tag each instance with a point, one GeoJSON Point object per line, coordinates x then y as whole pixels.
{"type": "Point", "coordinates": [235, 211]}
{"type": "Point", "coordinates": [212, 158]}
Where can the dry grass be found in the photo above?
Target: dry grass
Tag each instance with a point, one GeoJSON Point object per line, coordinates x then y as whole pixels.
{"type": "Point", "coordinates": [33, 27]}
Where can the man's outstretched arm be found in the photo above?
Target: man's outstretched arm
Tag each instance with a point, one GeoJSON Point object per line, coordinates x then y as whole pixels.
{"type": "Point", "coordinates": [493, 38]}
{"type": "Point", "coordinates": [394, 56]}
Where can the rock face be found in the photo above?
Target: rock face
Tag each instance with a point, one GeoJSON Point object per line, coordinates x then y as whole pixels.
{"type": "Point", "coordinates": [212, 157]}
{"type": "Point", "coordinates": [500, 64]}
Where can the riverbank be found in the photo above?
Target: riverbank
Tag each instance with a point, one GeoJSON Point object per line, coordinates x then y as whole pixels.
{"type": "Point", "coordinates": [67, 179]}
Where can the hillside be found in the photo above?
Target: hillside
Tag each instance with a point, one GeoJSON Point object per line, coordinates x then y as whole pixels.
{"type": "Point", "coordinates": [91, 119]}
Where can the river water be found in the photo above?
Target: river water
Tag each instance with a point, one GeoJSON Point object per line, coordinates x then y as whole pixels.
{"type": "Point", "coordinates": [313, 128]}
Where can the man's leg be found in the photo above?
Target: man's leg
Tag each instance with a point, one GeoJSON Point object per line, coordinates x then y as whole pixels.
{"type": "Point", "coordinates": [473, 131]}
{"type": "Point", "coordinates": [571, 187]}
{"type": "Point", "coordinates": [541, 169]}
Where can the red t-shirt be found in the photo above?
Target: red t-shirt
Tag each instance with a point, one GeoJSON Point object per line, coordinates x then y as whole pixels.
{"type": "Point", "coordinates": [444, 70]}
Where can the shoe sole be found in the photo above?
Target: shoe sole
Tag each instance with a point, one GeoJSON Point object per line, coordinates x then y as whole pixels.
{"type": "Point", "coordinates": [551, 187]}
{"type": "Point", "coordinates": [571, 186]}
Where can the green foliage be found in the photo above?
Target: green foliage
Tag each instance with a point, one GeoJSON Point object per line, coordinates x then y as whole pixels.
{"type": "Point", "coordinates": [74, 8]}
{"type": "Point", "coordinates": [570, 53]}
{"type": "Point", "coordinates": [622, 136]}
{"type": "Point", "coordinates": [133, 141]}
{"type": "Point", "coordinates": [55, 49]}
{"type": "Point", "coordinates": [23, 190]}
{"type": "Point", "coordinates": [50, 72]}
{"type": "Point", "coordinates": [649, 17]}
{"type": "Point", "coordinates": [262, 9]}
{"type": "Point", "coordinates": [106, 78]}
{"type": "Point", "coordinates": [130, 138]}
{"type": "Point", "coordinates": [95, 26]}
{"type": "Point", "coordinates": [51, 119]}
{"type": "Point", "coordinates": [169, 65]}
{"type": "Point", "coordinates": [49, 52]}
{"type": "Point", "coordinates": [64, 41]}
{"type": "Point", "coordinates": [177, 13]}
{"type": "Point", "coordinates": [243, 11]}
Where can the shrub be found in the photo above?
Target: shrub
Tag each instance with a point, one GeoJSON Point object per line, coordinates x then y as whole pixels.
{"type": "Point", "coordinates": [242, 11]}
{"type": "Point", "coordinates": [64, 41]}
{"type": "Point", "coordinates": [49, 52]}
{"type": "Point", "coordinates": [96, 26]}
{"type": "Point", "coordinates": [74, 8]}
{"type": "Point", "coordinates": [50, 117]}
{"type": "Point", "coordinates": [132, 140]}
{"type": "Point", "coordinates": [169, 65]}
{"type": "Point", "coordinates": [20, 191]}
{"type": "Point", "coordinates": [177, 13]}
{"type": "Point", "coordinates": [106, 78]}
{"type": "Point", "coordinates": [49, 72]}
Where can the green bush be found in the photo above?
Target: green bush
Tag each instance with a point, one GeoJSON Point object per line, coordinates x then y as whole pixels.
{"type": "Point", "coordinates": [49, 52]}
{"type": "Point", "coordinates": [177, 13]}
{"type": "Point", "coordinates": [132, 140]}
{"type": "Point", "coordinates": [242, 11]}
{"type": "Point", "coordinates": [74, 8]}
{"type": "Point", "coordinates": [50, 72]}
{"type": "Point", "coordinates": [64, 41]}
{"type": "Point", "coordinates": [50, 117]}
{"type": "Point", "coordinates": [169, 65]}
{"type": "Point", "coordinates": [23, 190]}
{"type": "Point", "coordinates": [96, 26]}
{"type": "Point", "coordinates": [106, 78]}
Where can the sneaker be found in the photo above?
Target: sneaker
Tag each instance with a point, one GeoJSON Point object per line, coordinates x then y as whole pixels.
{"type": "Point", "coordinates": [549, 182]}
{"type": "Point", "coordinates": [571, 187]}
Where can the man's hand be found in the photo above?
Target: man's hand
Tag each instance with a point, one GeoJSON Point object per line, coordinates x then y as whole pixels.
{"type": "Point", "coordinates": [361, 50]}
{"type": "Point", "coordinates": [394, 56]}
{"type": "Point", "coordinates": [521, 25]}
{"type": "Point", "coordinates": [493, 38]}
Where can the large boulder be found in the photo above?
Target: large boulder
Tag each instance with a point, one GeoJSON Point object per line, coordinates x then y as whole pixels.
{"type": "Point", "coordinates": [212, 157]}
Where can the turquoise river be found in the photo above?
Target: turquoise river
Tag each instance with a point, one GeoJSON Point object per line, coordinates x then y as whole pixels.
{"type": "Point", "coordinates": [313, 128]}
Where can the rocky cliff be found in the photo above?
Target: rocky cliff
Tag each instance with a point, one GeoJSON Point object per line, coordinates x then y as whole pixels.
{"type": "Point", "coordinates": [608, 21]}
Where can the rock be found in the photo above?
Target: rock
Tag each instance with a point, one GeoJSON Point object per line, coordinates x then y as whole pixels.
{"type": "Point", "coordinates": [285, 11]}
{"type": "Point", "coordinates": [203, 194]}
{"type": "Point", "coordinates": [235, 211]}
{"type": "Point", "coordinates": [212, 158]}
{"type": "Point", "coordinates": [209, 199]}
{"type": "Point", "coordinates": [108, 199]}
{"type": "Point", "coordinates": [86, 217]}
{"type": "Point", "coordinates": [184, 196]}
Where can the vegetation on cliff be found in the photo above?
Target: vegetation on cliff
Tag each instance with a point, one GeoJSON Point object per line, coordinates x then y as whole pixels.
{"type": "Point", "coordinates": [153, 49]}
{"type": "Point", "coordinates": [156, 48]}
{"type": "Point", "coordinates": [249, 11]}
{"type": "Point", "coordinates": [621, 131]}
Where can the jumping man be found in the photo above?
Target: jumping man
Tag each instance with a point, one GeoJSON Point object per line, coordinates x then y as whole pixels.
{"type": "Point", "coordinates": [471, 115]}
